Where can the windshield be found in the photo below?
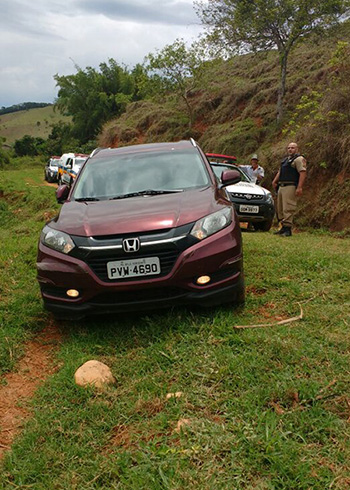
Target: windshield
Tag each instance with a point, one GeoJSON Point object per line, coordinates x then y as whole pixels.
{"type": "Point", "coordinates": [220, 167]}
{"type": "Point", "coordinates": [123, 174]}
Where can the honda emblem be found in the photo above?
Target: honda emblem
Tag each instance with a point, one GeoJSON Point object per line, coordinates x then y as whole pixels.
{"type": "Point", "coordinates": [131, 244]}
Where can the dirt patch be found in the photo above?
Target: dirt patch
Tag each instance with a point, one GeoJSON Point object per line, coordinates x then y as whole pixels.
{"type": "Point", "coordinates": [32, 183]}
{"type": "Point", "coordinates": [36, 365]}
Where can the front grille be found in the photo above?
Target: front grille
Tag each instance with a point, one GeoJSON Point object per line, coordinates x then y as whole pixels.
{"type": "Point", "coordinates": [247, 197]}
{"type": "Point", "coordinates": [166, 244]}
{"type": "Point", "coordinates": [98, 263]}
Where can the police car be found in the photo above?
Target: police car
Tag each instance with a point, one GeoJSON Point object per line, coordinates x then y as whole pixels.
{"type": "Point", "coordinates": [70, 165]}
{"type": "Point", "coordinates": [51, 169]}
{"type": "Point", "coordinates": [254, 204]}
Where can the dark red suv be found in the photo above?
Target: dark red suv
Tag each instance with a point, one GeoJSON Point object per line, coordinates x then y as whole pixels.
{"type": "Point", "coordinates": [143, 226]}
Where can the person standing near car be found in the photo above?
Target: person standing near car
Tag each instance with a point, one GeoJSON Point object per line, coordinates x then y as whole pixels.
{"type": "Point", "coordinates": [254, 171]}
{"type": "Point", "coordinates": [288, 183]}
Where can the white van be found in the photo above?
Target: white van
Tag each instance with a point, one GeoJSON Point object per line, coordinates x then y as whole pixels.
{"type": "Point", "coordinates": [71, 165]}
{"type": "Point", "coordinates": [61, 165]}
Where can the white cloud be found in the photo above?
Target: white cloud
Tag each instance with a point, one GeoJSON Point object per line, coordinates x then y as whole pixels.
{"type": "Point", "coordinates": [42, 38]}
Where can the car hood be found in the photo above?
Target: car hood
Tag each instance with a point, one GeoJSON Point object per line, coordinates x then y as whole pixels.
{"type": "Point", "coordinates": [248, 188]}
{"type": "Point", "coordinates": [137, 214]}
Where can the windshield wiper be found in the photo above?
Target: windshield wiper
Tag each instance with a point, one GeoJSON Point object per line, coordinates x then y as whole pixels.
{"type": "Point", "coordinates": [148, 192]}
{"type": "Point", "coordinates": [82, 199]}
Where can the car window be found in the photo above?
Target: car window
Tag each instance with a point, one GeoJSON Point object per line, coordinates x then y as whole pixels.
{"type": "Point", "coordinates": [135, 172]}
{"type": "Point", "coordinates": [218, 168]}
{"type": "Point", "coordinates": [79, 161]}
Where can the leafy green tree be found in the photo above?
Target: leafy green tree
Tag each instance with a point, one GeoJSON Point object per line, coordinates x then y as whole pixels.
{"type": "Point", "coordinates": [92, 96]}
{"type": "Point", "coordinates": [29, 145]}
{"type": "Point", "coordinates": [61, 139]}
{"type": "Point", "coordinates": [177, 69]}
{"type": "Point", "coordinates": [243, 25]}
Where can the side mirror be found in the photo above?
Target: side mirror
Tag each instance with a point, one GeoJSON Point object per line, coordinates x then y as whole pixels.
{"type": "Point", "coordinates": [230, 177]}
{"type": "Point", "coordinates": [62, 193]}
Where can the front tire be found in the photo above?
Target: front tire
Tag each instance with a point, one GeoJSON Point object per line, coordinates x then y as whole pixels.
{"type": "Point", "coordinates": [263, 226]}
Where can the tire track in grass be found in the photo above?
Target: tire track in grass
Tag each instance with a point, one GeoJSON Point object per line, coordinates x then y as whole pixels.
{"type": "Point", "coordinates": [33, 369]}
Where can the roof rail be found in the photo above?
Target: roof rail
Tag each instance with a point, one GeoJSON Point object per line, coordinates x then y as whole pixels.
{"type": "Point", "coordinates": [95, 151]}
{"type": "Point", "coordinates": [193, 142]}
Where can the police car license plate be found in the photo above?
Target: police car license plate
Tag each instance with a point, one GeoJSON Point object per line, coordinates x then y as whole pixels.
{"type": "Point", "coordinates": [133, 268]}
{"type": "Point", "coordinates": [248, 209]}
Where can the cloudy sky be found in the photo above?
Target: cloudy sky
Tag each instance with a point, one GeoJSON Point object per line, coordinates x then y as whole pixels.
{"type": "Point", "coordinates": [39, 38]}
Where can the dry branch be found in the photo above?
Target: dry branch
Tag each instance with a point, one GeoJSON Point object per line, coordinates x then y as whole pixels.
{"type": "Point", "coordinates": [281, 322]}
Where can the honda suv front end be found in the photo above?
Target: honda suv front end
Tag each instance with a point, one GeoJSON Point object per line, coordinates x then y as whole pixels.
{"type": "Point", "coordinates": [142, 227]}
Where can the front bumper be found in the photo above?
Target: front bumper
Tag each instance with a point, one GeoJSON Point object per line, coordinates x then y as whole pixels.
{"type": "Point", "coordinates": [53, 175]}
{"type": "Point", "coordinates": [266, 211]}
{"type": "Point", "coordinates": [219, 256]}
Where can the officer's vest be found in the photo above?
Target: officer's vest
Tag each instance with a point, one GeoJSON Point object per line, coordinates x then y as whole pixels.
{"type": "Point", "coordinates": [287, 172]}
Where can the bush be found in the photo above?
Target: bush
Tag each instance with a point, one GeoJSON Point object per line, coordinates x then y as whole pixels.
{"type": "Point", "coordinates": [4, 158]}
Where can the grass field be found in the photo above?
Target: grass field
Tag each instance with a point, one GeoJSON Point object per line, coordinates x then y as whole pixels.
{"type": "Point", "coordinates": [261, 408]}
{"type": "Point", "coordinates": [34, 122]}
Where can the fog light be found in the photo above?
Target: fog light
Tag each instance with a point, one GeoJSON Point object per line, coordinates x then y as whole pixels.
{"type": "Point", "coordinates": [72, 293]}
{"type": "Point", "coordinates": [203, 280]}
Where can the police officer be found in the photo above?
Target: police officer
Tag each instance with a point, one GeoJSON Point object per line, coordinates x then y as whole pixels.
{"type": "Point", "coordinates": [289, 182]}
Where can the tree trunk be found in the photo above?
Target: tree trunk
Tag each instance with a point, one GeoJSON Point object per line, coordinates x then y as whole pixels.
{"type": "Point", "coordinates": [282, 86]}
{"type": "Point", "coordinates": [189, 110]}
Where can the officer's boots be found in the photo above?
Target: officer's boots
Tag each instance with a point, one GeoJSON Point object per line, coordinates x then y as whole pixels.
{"type": "Point", "coordinates": [287, 231]}
{"type": "Point", "coordinates": [284, 231]}
{"type": "Point", "coordinates": [280, 231]}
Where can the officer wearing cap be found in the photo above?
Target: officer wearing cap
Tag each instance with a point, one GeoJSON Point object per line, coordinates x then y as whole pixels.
{"type": "Point", "coordinates": [254, 171]}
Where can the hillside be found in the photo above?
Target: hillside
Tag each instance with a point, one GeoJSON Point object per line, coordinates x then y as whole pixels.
{"type": "Point", "coordinates": [34, 122]}
{"type": "Point", "coordinates": [235, 114]}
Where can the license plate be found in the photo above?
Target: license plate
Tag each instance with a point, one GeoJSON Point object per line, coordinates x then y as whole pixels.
{"type": "Point", "coordinates": [133, 268]}
{"type": "Point", "coordinates": [248, 209]}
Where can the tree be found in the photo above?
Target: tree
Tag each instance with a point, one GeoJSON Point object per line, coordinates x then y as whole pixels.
{"type": "Point", "coordinates": [176, 68]}
{"type": "Point", "coordinates": [60, 140]}
{"type": "Point", "coordinates": [29, 145]}
{"type": "Point", "coordinates": [92, 97]}
{"type": "Point", "coordinates": [243, 25]}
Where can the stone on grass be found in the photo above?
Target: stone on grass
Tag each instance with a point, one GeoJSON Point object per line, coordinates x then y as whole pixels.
{"type": "Point", "coordinates": [94, 373]}
{"type": "Point", "coordinates": [177, 394]}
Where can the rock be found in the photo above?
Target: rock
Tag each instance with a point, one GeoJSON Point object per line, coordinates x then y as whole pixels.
{"type": "Point", "coordinates": [177, 394]}
{"type": "Point", "coordinates": [94, 373]}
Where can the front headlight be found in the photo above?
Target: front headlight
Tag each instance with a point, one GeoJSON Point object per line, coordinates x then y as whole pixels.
{"type": "Point", "coordinates": [58, 240]}
{"type": "Point", "coordinates": [211, 224]}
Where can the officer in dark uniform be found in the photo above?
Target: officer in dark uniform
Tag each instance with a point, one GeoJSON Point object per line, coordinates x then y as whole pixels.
{"type": "Point", "coordinates": [289, 183]}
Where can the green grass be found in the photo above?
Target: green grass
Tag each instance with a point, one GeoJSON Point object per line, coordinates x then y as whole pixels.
{"type": "Point", "coordinates": [34, 122]}
{"type": "Point", "coordinates": [268, 408]}
{"type": "Point", "coordinates": [26, 205]}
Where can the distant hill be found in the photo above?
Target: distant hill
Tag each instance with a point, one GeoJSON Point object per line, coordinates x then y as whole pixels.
{"type": "Point", "coordinates": [34, 122]}
{"type": "Point", "coordinates": [24, 106]}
